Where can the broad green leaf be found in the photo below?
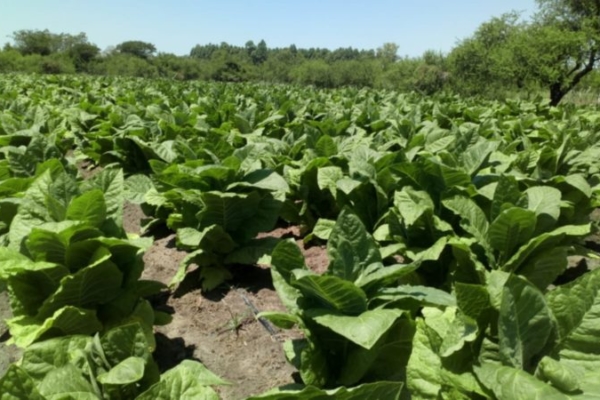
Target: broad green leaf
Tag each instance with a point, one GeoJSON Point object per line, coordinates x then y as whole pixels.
{"type": "Point", "coordinates": [227, 210]}
{"type": "Point", "coordinates": [364, 330]}
{"type": "Point", "coordinates": [67, 381]}
{"type": "Point", "coordinates": [60, 193]}
{"type": "Point", "coordinates": [423, 378]}
{"type": "Point", "coordinates": [288, 294]}
{"type": "Point", "coordinates": [32, 212]}
{"type": "Point", "coordinates": [376, 275]}
{"type": "Point", "coordinates": [385, 361]}
{"type": "Point", "coordinates": [552, 371]}
{"type": "Point", "coordinates": [545, 242]}
{"type": "Point", "coordinates": [473, 219]}
{"type": "Point", "coordinates": [189, 237]}
{"type": "Point", "coordinates": [576, 307]}
{"type": "Point", "coordinates": [240, 215]}
{"type": "Point", "coordinates": [506, 194]}
{"type": "Point", "coordinates": [545, 201]}
{"type": "Point", "coordinates": [347, 185]}
{"type": "Point", "coordinates": [511, 229]}
{"type": "Point", "coordinates": [323, 228]}
{"type": "Point", "coordinates": [287, 257]}
{"type": "Point", "coordinates": [16, 384]}
{"type": "Point", "coordinates": [256, 251]}
{"type": "Point", "coordinates": [47, 246]}
{"type": "Point", "coordinates": [579, 182]}
{"type": "Point", "coordinates": [66, 321]}
{"type": "Point", "coordinates": [111, 182]}
{"type": "Point", "coordinates": [187, 381]}
{"type": "Point", "coordinates": [424, 295]}
{"type": "Point", "coordinates": [89, 207]}
{"type": "Point", "coordinates": [462, 330]}
{"type": "Point", "coordinates": [350, 247]}
{"type": "Point", "coordinates": [331, 292]}
{"type": "Point", "coordinates": [526, 324]}
{"type": "Point", "coordinates": [87, 288]}
{"type": "Point", "coordinates": [126, 372]}
{"type": "Point", "coordinates": [368, 391]}
{"type": "Point", "coordinates": [267, 180]}
{"type": "Point", "coordinates": [510, 383]}
{"type": "Point", "coordinates": [212, 276]}
{"type": "Point", "coordinates": [309, 360]}
{"type": "Point", "coordinates": [431, 253]}
{"type": "Point", "coordinates": [30, 284]}
{"type": "Point", "coordinates": [136, 187]}
{"type": "Point", "coordinates": [473, 300]}
{"type": "Point", "coordinates": [42, 357]}
{"type": "Point", "coordinates": [475, 156]}
{"type": "Point", "coordinates": [280, 319]}
{"type": "Point", "coordinates": [326, 146]}
{"type": "Point", "coordinates": [412, 204]}
{"type": "Point", "coordinates": [543, 268]}
{"type": "Point", "coordinates": [327, 178]}
{"type": "Point", "coordinates": [123, 342]}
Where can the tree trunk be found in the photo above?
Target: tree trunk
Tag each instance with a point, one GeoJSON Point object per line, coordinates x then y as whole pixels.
{"type": "Point", "coordinates": [558, 90]}
{"type": "Point", "coordinates": [556, 94]}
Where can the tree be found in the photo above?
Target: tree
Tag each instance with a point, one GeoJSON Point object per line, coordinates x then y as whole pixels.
{"type": "Point", "coordinates": [388, 52]}
{"type": "Point", "coordinates": [204, 52]}
{"type": "Point", "coordinates": [137, 48]}
{"type": "Point", "coordinates": [260, 54]}
{"type": "Point", "coordinates": [82, 54]}
{"type": "Point", "coordinates": [250, 48]}
{"type": "Point", "coordinates": [34, 42]}
{"type": "Point", "coordinates": [570, 30]}
{"type": "Point", "coordinates": [45, 42]}
{"type": "Point", "coordinates": [484, 63]}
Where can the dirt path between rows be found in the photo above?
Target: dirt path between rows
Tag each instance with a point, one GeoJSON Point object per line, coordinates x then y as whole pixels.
{"type": "Point", "coordinates": [203, 323]}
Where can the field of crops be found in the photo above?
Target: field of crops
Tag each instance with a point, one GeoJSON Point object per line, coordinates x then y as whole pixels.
{"type": "Point", "coordinates": [170, 240]}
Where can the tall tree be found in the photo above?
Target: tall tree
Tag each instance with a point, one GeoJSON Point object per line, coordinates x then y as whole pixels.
{"type": "Point", "coordinates": [388, 52]}
{"type": "Point", "coordinates": [485, 61]}
{"type": "Point", "coordinates": [137, 48]}
{"type": "Point", "coordinates": [570, 32]}
{"type": "Point", "coordinates": [45, 42]}
{"type": "Point", "coordinates": [261, 53]}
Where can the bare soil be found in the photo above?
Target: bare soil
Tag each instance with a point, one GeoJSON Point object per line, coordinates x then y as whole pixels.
{"type": "Point", "coordinates": [8, 354]}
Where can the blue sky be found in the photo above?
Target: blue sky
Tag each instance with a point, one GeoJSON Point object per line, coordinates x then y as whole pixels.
{"type": "Point", "coordinates": [176, 26]}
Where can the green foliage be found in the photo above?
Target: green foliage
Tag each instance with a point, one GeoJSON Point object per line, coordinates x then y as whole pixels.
{"type": "Point", "coordinates": [136, 48]}
{"type": "Point", "coordinates": [448, 223]}
{"type": "Point", "coordinates": [337, 311]}
{"type": "Point", "coordinates": [45, 42]}
{"type": "Point", "coordinates": [124, 65]}
{"type": "Point", "coordinates": [67, 268]}
{"type": "Point", "coordinates": [117, 365]}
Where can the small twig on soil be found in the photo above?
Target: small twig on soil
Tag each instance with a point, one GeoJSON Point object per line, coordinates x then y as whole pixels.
{"type": "Point", "coordinates": [255, 311]}
{"type": "Point", "coordinates": [235, 323]}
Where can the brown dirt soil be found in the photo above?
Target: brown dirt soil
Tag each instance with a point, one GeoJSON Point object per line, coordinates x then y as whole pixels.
{"type": "Point", "coordinates": [218, 328]}
{"type": "Point", "coordinates": [8, 354]}
{"type": "Point", "coordinates": [315, 257]}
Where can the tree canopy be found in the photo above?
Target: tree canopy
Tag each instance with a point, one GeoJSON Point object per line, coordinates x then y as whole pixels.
{"type": "Point", "coordinates": [137, 48]}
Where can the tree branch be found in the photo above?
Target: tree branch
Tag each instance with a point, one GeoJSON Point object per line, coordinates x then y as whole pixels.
{"type": "Point", "coordinates": [587, 69]}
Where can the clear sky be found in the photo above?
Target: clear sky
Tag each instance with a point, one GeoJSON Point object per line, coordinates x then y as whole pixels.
{"type": "Point", "coordinates": [176, 26]}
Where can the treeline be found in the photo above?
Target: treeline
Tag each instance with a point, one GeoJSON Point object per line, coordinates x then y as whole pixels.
{"type": "Point", "coordinates": [555, 51]}
{"type": "Point", "coordinates": [52, 53]}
